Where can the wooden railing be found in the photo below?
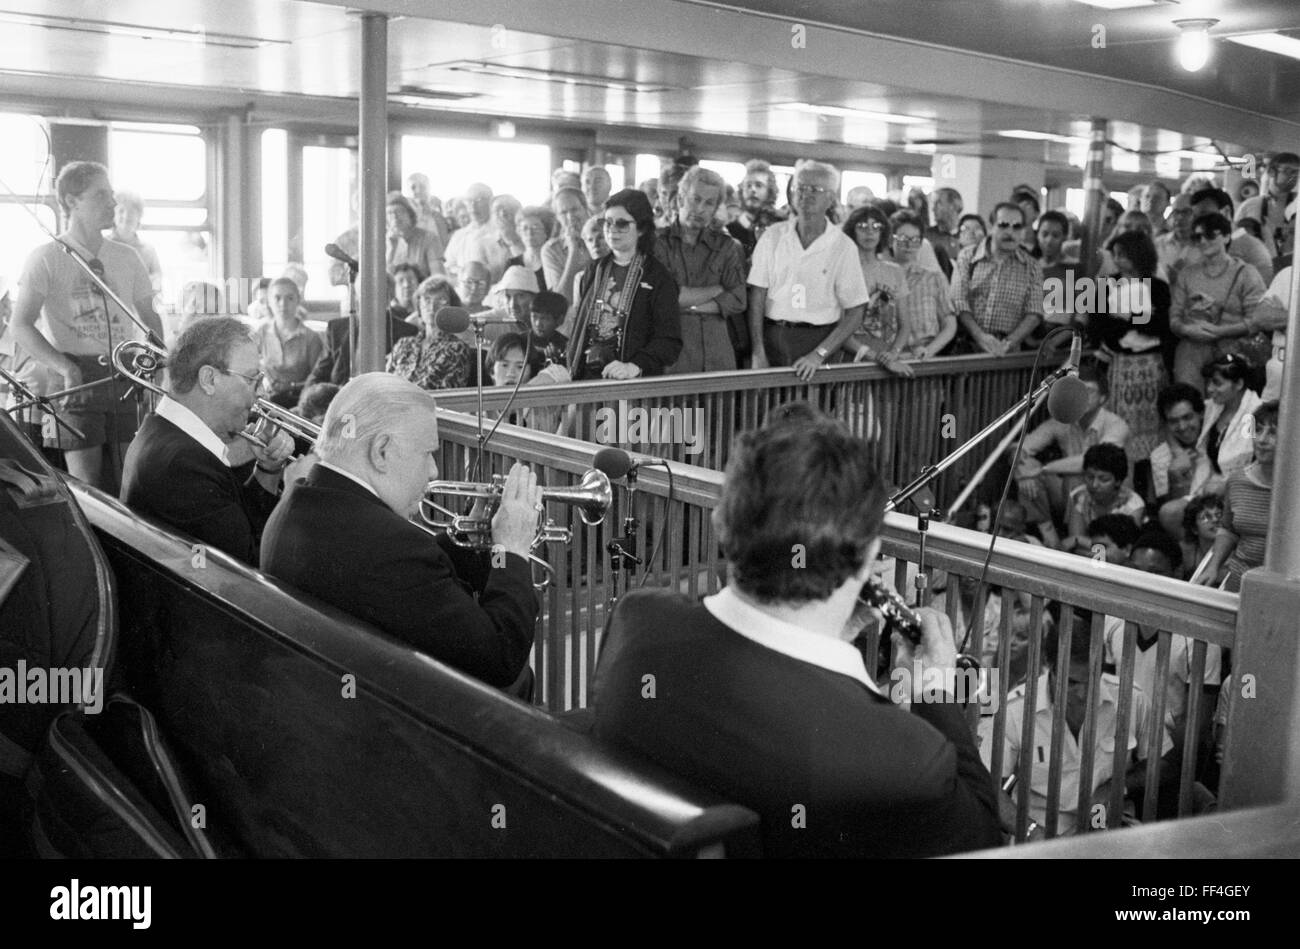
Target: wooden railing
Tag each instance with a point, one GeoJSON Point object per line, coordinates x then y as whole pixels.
{"type": "Point", "coordinates": [676, 538]}
{"type": "Point", "coordinates": [693, 418]}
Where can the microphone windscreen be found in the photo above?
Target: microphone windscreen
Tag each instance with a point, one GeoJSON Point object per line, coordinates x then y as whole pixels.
{"type": "Point", "coordinates": [452, 319]}
{"type": "Point", "coordinates": [613, 462]}
{"type": "Point", "coordinates": [1068, 400]}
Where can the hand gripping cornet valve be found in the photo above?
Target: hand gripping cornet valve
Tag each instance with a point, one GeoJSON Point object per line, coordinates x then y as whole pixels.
{"type": "Point", "coordinates": [140, 362]}
{"type": "Point", "coordinates": [592, 497]}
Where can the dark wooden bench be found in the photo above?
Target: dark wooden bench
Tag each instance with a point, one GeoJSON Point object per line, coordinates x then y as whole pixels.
{"type": "Point", "coordinates": [309, 734]}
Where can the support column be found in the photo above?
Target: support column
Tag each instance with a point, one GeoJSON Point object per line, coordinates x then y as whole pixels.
{"type": "Point", "coordinates": [1094, 201]}
{"type": "Point", "coordinates": [1261, 763]}
{"type": "Point", "coordinates": [372, 284]}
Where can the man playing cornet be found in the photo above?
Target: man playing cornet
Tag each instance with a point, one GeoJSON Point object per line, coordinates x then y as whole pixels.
{"type": "Point", "coordinates": [187, 467]}
{"type": "Point", "coordinates": [344, 535]}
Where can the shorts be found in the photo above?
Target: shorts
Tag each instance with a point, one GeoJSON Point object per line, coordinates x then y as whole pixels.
{"type": "Point", "coordinates": [101, 414]}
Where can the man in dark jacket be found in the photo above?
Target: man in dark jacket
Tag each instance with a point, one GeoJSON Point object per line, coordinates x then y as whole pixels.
{"type": "Point", "coordinates": [186, 466]}
{"type": "Point", "coordinates": [343, 536]}
{"type": "Point", "coordinates": [758, 694]}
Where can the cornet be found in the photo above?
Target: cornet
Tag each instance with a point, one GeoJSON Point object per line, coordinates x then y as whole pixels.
{"type": "Point", "coordinates": [140, 361]}
{"type": "Point", "coordinates": [592, 497]}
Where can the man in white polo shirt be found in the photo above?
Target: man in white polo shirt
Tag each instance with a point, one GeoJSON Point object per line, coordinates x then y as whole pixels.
{"type": "Point", "coordinates": [806, 290]}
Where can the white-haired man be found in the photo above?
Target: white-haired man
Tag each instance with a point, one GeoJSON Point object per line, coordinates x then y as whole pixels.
{"type": "Point", "coordinates": [465, 244]}
{"type": "Point", "coordinates": [344, 536]}
{"type": "Point", "coordinates": [806, 289]}
{"type": "Point", "coordinates": [709, 267]}
{"type": "Point", "coordinates": [185, 466]}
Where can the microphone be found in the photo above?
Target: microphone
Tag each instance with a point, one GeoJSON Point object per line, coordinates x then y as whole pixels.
{"type": "Point", "coordinates": [452, 319]}
{"type": "Point", "coordinates": [1068, 400]}
{"type": "Point", "coordinates": [339, 254]}
{"type": "Point", "coordinates": [615, 462]}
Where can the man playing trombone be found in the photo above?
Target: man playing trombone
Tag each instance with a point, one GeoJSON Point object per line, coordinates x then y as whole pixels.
{"type": "Point", "coordinates": [187, 466]}
{"type": "Point", "coordinates": [344, 535]}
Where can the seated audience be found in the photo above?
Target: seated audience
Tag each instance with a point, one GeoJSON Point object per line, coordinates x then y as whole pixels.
{"type": "Point", "coordinates": [344, 536]}
{"type": "Point", "coordinates": [431, 359]}
{"type": "Point", "coordinates": [1045, 487]}
{"type": "Point", "coordinates": [408, 243]}
{"type": "Point", "coordinates": [546, 344]}
{"type": "Point", "coordinates": [473, 286]}
{"type": "Point", "coordinates": [1243, 532]}
{"type": "Point", "coordinates": [315, 399]}
{"type": "Point", "coordinates": [1111, 538]}
{"type": "Point", "coordinates": [809, 733]}
{"type": "Point", "coordinates": [1201, 520]}
{"type": "Point", "coordinates": [289, 349]}
{"type": "Point", "coordinates": [187, 467]}
{"type": "Point", "coordinates": [1179, 471]}
{"type": "Point", "coordinates": [405, 280]}
{"type": "Point", "coordinates": [1228, 430]}
{"type": "Point", "coordinates": [1105, 467]}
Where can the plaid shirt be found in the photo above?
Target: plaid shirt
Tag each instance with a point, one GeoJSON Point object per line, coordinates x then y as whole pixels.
{"type": "Point", "coordinates": [926, 305]}
{"type": "Point", "coordinates": [998, 292]}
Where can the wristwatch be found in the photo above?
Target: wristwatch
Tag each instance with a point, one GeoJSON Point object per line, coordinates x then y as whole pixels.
{"type": "Point", "coordinates": [823, 352]}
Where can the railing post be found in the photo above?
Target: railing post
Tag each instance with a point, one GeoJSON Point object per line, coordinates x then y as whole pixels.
{"type": "Point", "coordinates": [1261, 762]}
{"type": "Point", "coordinates": [372, 281]}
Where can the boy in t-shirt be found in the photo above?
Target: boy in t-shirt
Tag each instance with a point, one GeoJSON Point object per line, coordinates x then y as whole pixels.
{"type": "Point", "coordinates": [547, 344]}
{"type": "Point", "coordinates": [1105, 466]}
{"type": "Point", "coordinates": [1112, 535]}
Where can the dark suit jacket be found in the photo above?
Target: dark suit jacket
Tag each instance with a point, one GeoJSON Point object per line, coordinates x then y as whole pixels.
{"type": "Point", "coordinates": [335, 364]}
{"type": "Point", "coordinates": [335, 540]}
{"type": "Point", "coordinates": [771, 732]}
{"type": "Point", "coordinates": [652, 337]}
{"type": "Point", "coordinates": [171, 477]}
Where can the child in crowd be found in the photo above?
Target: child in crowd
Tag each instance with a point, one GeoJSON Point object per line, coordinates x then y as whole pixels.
{"type": "Point", "coordinates": [548, 345]}
{"type": "Point", "coordinates": [1111, 537]}
{"type": "Point", "coordinates": [259, 309]}
{"type": "Point", "coordinates": [1201, 520]}
{"type": "Point", "coordinates": [1105, 467]}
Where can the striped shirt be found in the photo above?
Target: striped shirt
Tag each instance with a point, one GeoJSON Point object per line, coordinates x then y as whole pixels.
{"type": "Point", "coordinates": [1246, 505]}
{"type": "Point", "coordinates": [999, 292]}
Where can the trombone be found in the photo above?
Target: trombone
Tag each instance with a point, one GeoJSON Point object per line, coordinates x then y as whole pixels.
{"type": "Point", "coordinates": [592, 496]}
{"type": "Point", "coordinates": [139, 361]}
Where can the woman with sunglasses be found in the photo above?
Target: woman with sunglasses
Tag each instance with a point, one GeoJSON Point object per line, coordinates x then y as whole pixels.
{"type": "Point", "coordinates": [627, 324]}
{"type": "Point", "coordinates": [1214, 299]}
{"type": "Point", "coordinates": [882, 335]}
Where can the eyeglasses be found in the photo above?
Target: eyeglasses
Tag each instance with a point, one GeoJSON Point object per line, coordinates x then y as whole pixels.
{"type": "Point", "coordinates": [907, 241]}
{"type": "Point", "coordinates": [812, 189]}
{"type": "Point", "coordinates": [617, 225]}
{"type": "Point", "coordinates": [473, 282]}
{"type": "Point", "coordinates": [254, 379]}
{"type": "Point", "coordinates": [868, 225]}
{"type": "Point", "coordinates": [1206, 516]}
{"type": "Point", "coordinates": [1003, 225]}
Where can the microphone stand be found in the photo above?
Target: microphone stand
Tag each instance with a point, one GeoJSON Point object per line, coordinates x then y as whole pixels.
{"type": "Point", "coordinates": [622, 550]}
{"type": "Point", "coordinates": [30, 398]}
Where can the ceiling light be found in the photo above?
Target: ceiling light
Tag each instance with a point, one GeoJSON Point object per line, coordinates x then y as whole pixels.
{"type": "Point", "coordinates": [1270, 43]}
{"type": "Point", "coordinates": [1119, 4]}
{"type": "Point", "coordinates": [847, 113]}
{"type": "Point", "coordinates": [138, 30]}
{"type": "Point", "coordinates": [1045, 137]}
{"type": "Point", "coordinates": [1194, 43]}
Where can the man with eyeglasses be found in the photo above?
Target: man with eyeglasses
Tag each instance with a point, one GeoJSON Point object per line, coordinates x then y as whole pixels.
{"type": "Point", "coordinates": [997, 287]}
{"type": "Point", "coordinates": [187, 466]}
{"type": "Point", "coordinates": [1270, 209]}
{"type": "Point", "coordinates": [806, 289]}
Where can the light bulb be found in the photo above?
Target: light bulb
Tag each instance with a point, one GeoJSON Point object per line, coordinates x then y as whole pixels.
{"type": "Point", "coordinates": [1194, 43]}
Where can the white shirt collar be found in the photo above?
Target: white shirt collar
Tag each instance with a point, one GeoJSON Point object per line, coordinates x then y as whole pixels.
{"type": "Point", "coordinates": [834, 655]}
{"type": "Point", "coordinates": [193, 426]}
{"type": "Point", "coordinates": [347, 474]}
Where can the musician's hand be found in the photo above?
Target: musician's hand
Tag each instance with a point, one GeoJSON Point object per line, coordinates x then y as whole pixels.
{"type": "Point", "coordinates": [239, 452]}
{"type": "Point", "coordinates": [278, 449]}
{"type": "Point", "coordinates": [936, 650]}
{"type": "Point", "coordinates": [515, 523]}
{"type": "Point", "coordinates": [621, 370]}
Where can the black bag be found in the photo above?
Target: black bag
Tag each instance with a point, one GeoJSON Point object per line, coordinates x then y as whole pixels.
{"type": "Point", "coordinates": [105, 785]}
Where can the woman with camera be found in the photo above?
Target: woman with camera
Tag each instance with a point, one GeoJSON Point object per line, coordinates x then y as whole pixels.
{"type": "Point", "coordinates": [627, 323]}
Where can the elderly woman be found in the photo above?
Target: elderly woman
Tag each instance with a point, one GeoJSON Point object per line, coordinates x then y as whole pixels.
{"type": "Point", "coordinates": [1243, 531]}
{"type": "Point", "coordinates": [1226, 432]}
{"type": "Point", "coordinates": [534, 226]}
{"type": "Point", "coordinates": [408, 243]}
{"type": "Point", "coordinates": [288, 348]}
{"type": "Point", "coordinates": [432, 359]}
{"type": "Point", "coordinates": [882, 335]}
{"type": "Point", "coordinates": [505, 211]}
{"type": "Point", "coordinates": [627, 324]}
{"type": "Point", "coordinates": [1214, 299]}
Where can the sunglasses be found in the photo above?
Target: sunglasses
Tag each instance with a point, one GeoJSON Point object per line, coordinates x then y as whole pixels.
{"type": "Point", "coordinates": [617, 225]}
{"type": "Point", "coordinates": [868, 225]}
{"type": "Point", "coordinates": [907, 241]}
{"type": "Point", "coordinates": [1003, 225]}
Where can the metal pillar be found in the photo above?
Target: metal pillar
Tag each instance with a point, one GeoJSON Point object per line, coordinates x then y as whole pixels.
{"type": "Point", "coordinates": [1094, 198]}
{"type": "Point", "coordinates": [1261, 762]}
{"type": "Point", "coordinates": [372, 283]}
